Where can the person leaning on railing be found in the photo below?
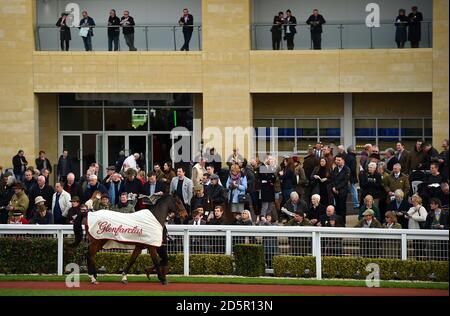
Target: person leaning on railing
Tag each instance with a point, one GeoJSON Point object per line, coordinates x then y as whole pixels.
{"type": "Point", "coordinates": [277, 30]}
{"type": "Point", "coordinates": [401, 28]}
{"type": "Point", "coordinates": [127, 23]}
{"type": "Point", "coordinates": [113, 30]}
{"type": "Point", "coordinates": [86, 30]}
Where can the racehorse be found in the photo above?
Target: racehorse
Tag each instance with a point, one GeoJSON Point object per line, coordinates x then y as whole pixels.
{"type": "Point", "coordinates": [167, 203]}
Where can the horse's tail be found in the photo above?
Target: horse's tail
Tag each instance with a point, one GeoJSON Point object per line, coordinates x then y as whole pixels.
{"type": "Point", "coordinates": [78, 229]}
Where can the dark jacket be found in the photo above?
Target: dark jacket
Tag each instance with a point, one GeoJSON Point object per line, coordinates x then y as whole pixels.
{"type": "Point", "coordinates": [405, 161]}
{"type": "Point", "coordinates": [277, 26]}
{"type": "Point", "coordinates": [46, 192]}
{"type": "Point", "coordinates": [159, 187]}
{"type": "Point", "coordinates": [431, 220]}
{"type": "Point", "coordinates": [267, 181]}
{"type": "Point", "coordinates": [316, 213]}
{"type": "Point", "coordinates": [90, 191]}
{"type": "Point", "coordinates": [290, 24]}
{"type": "Point", "coordinates": [216, 194]}
{"type": "Point", "coordinates": [402, 208]}
{"type": "Point", "coordinates": [40, 164]}
{"type": "Point", "coordinates": [64, 30]}
{"type": "Point", "coordinates": [374, 224]}
{"type": "Point", "coordinates": [325, 221]}
{"type": "Point", "coordinates": [350, 161]}
{"type": "Point", "coordinates": [316, 23]}
{"type": "Point", "coordinates": [127, 26]}
{"type": "Point", "coordinates": [309, 163]}
{"type": "Point", "coordinates": [88, 21]}
{"type": "Point", "coordinates": [46, 220]}
{"type": "Point", "coordinates": [187, 26]}
{"type": "Point", "coordinates": [301, 206]}
{"type": "Point", "coordinates": [203, 202]}
{"type": "Point", "coordinates": [202, 222]}
{"type": "Point", "coordinates": [390, 164]}
{"type": "Point", "coordinates": [371, 184]}
{"type": "Point", "coordinates": [288, 179]}
{"type": "Point", "coordinates": [401, 31]}
{"type": "Point", "coordinates": [74, 190]}
{"type": "Point", "coordinates": [418, 160]}
{"type": "Point", "coordinates": [114, 24]}
{"type": "Point", "coordinates": [215, 221]}
{"type": "Point", "coordinates": [340, 180]}
{"type": "Point", "coordinates": [415, 27]}
{"type": "Point", "coordinates": [134, 186]}
{"type": "Point", "coordinates": [18, 168]}
{"type": "Point", "coordinates": [29, 185]}
{"type": "Point", "coordinates": [64, 170]}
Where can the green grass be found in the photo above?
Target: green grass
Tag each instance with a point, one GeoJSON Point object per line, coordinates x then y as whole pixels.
{"type": "Point", "coordinates": [25, 292]}
{"type": "Point", "coordinates": [235, 280]}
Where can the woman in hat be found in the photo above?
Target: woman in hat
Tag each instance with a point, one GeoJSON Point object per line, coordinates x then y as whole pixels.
{"type": "Point", "coordinates": [391, 221]}
{"type": "Point", "coordinates": [74, 211]}
{"type": "Point", "coordinates": [42, 217]}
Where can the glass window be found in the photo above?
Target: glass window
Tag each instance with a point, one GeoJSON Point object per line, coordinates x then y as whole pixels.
{"type": "Point", "coordinates": [388, 128]}
{"type": "Point", "coordinates": [286, 144]}
{"type": "Point", "coordinates": [167, 119]}
{"type": "Point", "coordinates": [385, 143]}
{"type": "Point", "coordinates": [306, 128]}
{"type": "Point", "coordinates": [304, 143]}
{"type": "Point", "coordinates": [80, 119]}
{"type": "Point", "coordinates": [126, 119]}
{"type": "Point", "coordinates": [412, 128]}
{"type": "Point", "coordinates": [73, 99]}
{"type": "Point", "coordinates": [285, 127]}
{"type": "Point", "coordinates": [365, 128]}
{"type": "Point", "coordinates": [127, 103]}
{"type": "Point", "coordinates": [360, 142]}
{"type": "Point", "coordinates": [262, 127]}
{"type": "Point", "coordinates": [330, 128]}
{"type": "Point", "coordinates": [428, 127]}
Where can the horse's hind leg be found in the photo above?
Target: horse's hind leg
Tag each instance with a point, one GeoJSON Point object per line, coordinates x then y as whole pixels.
{"type": "Point", "coordinates": [136, 252]}
{"type": "Point", "coordinates": [155, 261]}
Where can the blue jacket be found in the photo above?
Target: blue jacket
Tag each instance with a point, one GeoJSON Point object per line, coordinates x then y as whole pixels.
{"type": "Point", "coordinates": [90, 190]}
{"type": "Point", "coordinates": [240, 190]}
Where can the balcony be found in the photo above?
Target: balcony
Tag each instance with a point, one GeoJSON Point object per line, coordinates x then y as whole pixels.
{"type": "Point", "coordinates": [341, 36]}
{"type": "Point", "coordinates": [154, 37]}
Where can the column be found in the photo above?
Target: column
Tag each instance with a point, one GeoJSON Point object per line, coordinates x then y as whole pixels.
{"type": "Point", "coordinates": [348, 120]}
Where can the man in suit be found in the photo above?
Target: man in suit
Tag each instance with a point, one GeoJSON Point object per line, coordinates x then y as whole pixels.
{"type": "Point", "coordinates": [182, 187]}
{"type": "Point", "coordinates": [340, 179]}
{"type": "Point", "coordinates": [41, 189]}
{"type": "Point", "coordinates": [64, 166]}
{"type": "Point", "coordinates": [396, 180]}
{"type": "Point", "coordinates": [437, 218]}
{"type": "Point", "coordinates": [289, 29]}
{"type": "Point", "coordinates": [43, 163]}
{"type": "Point", "coordinates": [315, 22]}
{"type": "Point", "coordinates": [72, 187]}
{"type": "Point", "coordinates": [187, 21]}
{"type": "Point", "coordinates": [153, 186]}
{"type": "Point", "coordinates": [403, 157]}
{"type": "Point", "coordinates": [19, 165]}
{"type": "Point", "coordinates": [390, 159]}
{"type": "Point", "coordinates": [415, 27]}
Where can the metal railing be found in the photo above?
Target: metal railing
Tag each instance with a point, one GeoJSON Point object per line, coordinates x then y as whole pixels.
{"type": "Point", "coordinates": [318, 242]}
{"type": "Point", "coordinates": [340, 36]}
{"type": "Point", "coordinates": [155, 37]}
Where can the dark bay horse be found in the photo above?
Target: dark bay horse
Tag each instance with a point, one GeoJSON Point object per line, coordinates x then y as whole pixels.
{"type": "Point", "coordinates": [164, 205]}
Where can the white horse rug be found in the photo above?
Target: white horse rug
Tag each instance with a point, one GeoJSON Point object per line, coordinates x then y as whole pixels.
{"type": "Point", "coordinates": [140, 227]}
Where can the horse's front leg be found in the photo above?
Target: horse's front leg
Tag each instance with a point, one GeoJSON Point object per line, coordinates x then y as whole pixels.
{"type": "Point", "coordinates": [154, 255]}
{"type": "Point", "coordinates": [136, 252]}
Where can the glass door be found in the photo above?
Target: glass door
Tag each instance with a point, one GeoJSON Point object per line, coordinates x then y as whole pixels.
{"type": "Point", "coordinates": [72, 143]}
{"type": "Point", "coordinates": [115, 144]}
{"type": "Point", "coordinates": [138, 144]}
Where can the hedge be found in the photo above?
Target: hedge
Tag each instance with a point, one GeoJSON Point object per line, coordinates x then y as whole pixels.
{"type": "Point", "coordinates": [354, 268]}
{"type": "Point", "coordinates": [249, 260]}
{"type": "Point", "coordinates": [25, 255]}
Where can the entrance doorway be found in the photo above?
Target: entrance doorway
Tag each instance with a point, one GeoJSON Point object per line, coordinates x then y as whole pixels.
{"type": "Point", "coordinates": [129, 144]}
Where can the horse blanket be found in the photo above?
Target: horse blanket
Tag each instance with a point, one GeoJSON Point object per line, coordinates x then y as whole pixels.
{"type": "Point", "coordinates": [140, 227]}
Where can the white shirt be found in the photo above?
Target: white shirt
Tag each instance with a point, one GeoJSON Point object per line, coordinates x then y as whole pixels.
{"type": "Point", "coordinates": [130, 162]}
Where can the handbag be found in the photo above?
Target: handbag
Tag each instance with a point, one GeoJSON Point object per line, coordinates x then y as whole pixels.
{"type": "Point", "coordinates": [243, 198]}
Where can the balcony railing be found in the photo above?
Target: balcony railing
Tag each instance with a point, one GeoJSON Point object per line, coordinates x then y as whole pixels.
{"type": "Point", "coordinates": [340, 36]}
{"type": "Point", "coordinates": [155, 37]}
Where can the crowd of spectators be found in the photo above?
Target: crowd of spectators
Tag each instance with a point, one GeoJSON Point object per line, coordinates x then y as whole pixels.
{"type": "Point", "coordinates": [404, 189]}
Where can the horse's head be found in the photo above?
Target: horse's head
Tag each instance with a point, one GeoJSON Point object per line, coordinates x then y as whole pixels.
{"type": "Point", "coordinates": [179, 208]}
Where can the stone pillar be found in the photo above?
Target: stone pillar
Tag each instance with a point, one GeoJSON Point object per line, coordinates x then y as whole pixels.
{"type": "Point", "coordinates": [348, 120]}
{"type": "Point", "coordinates": [19, 110]}
{"type": "Point", "coordinates": [440, 72]}
{"type": "Point", "coordinates": [227, 102]}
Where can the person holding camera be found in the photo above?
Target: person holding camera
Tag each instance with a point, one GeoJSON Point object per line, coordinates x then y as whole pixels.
{"type": "Point", "coordinates": [64, 31]}
{"type": "Point", "coordinates": [187, 22]}
{"type": "Point", "coordinates": [315, 21]}
{"type": "Point", "coordinates": [87, 30]}
{"type": "Point", "coordinates": [277, 30]}
{"type": "Point", "coordinates": [113, 30]}
{"type": "Point", "coordinates": [289, 29]}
